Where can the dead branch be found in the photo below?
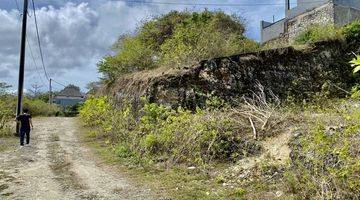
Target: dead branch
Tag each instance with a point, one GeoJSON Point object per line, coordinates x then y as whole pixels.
{"type": "Point", "coordinates": [254, 129]}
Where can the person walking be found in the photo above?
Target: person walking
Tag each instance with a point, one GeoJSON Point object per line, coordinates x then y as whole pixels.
{"type": "Point", "coordinates": [25, 126]}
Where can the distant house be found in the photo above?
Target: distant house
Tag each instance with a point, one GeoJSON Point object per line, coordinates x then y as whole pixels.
{"type": "Point", "coordinates": [300, 14]}
{"type": "Point", "coordinates": [69, 96]}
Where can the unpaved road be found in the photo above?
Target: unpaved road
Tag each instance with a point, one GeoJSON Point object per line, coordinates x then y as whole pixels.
{"type": "Point", "coordinates": [57, 166]}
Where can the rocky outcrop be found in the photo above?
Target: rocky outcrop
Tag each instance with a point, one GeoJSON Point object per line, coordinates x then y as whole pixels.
{"type": "Point", "coordinates": [286, 72]}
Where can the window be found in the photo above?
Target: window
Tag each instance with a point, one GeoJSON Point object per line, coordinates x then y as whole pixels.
{"type": "Point", "coordinates": [292, 4]}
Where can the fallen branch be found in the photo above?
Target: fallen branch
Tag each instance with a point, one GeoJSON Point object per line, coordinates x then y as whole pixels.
{"type": "Point", "coordinates": [254, 129]}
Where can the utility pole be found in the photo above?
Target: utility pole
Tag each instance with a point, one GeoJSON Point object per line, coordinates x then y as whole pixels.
{"type": "Point", "coordinates": [22, 65]}
{"type": "Point", "coordinates": [50, 92]}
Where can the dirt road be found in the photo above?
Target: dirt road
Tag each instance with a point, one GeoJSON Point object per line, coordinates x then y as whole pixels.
{"type": "Point", "coordinates": [57, 166]}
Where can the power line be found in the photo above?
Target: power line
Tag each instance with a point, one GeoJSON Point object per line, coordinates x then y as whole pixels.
{"type": "Point", "coordinates": [34, 61]}
{"type": "Point", "coordinates": [58, 83]}
{"type": "Point", "coordinates": [212, 4]}
{"type": "Point", "coordinates": [39, 43]}
{"type": "Point", "coordinates": [17, 6]}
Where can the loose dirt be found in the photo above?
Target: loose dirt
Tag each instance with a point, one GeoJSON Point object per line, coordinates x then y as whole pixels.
{"type": "Point", "coordinates": [57, 166]}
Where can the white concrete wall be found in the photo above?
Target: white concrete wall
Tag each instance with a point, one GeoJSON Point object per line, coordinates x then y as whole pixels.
{"type": "Point", "coordinates": [345, 15]}
{"type": "Point", "coordinates": [321, 15]}
{"type": "Point", "coordinates": [304, 6]}
{"type": "Point", "coordinates": [348, 3]}
{"type": "Point", "coordinates": [272, 31]}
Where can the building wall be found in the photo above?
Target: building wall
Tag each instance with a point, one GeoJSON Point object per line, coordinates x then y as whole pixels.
{"type": "Point", "coordinates": [321, 15]}
{"type": "Point", "coordinates": [345, 14]}
{"type": "Point", "coordinates": [348, 3]}
{"type": "Point", "coordinates": [303, 6]}
{"type": "Point", "coordinates": [298, 19]}
{"type": "Point", "coordinates": [273, 31]}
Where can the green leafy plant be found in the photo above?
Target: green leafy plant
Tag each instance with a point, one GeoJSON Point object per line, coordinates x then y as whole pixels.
{"type": "Point", "coordinates": [352, 32]}
{"type": "Point", "coordinates": [356, 64]}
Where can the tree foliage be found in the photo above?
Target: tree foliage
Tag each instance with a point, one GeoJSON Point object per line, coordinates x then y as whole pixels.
{"type": "Point", "coordinates": [177, 39]}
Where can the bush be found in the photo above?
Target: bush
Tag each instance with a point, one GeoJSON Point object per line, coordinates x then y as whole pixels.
{"type": "Point", "coordinates": [8, 111]}
{"type": "Point", "coordinates": [319, 33]}
{"type": "Point", "coordinates": [177, 39]}
{"type": "Point", "coordinates": [175, 136]}
{"type": "Point", "coordinates": [352, 32]}
{"type": "Point", "coordinates": [94, 111]}
{"type": "Point", "coordinates": [6, 115]}
{"type": "Point", "coordinates": [40, 108]}
{"type": "Point", "coordinates": [325, 162]}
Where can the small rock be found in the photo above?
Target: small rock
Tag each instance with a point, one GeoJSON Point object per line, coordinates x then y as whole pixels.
{"type": "Point", "coordinates": [191, 168]}
{"type": "Point", "coordinates": [297, 134]}
{"type": "Point", "coordinates": [279, 193]}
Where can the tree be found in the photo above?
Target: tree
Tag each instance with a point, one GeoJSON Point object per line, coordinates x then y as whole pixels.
{"type": "Point", "coordinates": [3, 87]}
{"type": "Point", "coordinates": [35, 89]}
{"type": "Point", "coordinates": [176, 39]}
{"type": "Point", "coordinates": [93, 87]}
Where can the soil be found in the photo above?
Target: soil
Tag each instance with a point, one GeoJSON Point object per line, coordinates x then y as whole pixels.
{"type": "Point", "coordinates": [56, 165]}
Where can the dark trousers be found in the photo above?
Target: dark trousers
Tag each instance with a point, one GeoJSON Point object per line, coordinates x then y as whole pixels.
{"type": "Point", "coordinates": [24, 133]}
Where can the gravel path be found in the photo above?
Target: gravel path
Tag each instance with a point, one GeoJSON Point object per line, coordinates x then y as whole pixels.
{"type": "Point", "coordinates": [57, 166]}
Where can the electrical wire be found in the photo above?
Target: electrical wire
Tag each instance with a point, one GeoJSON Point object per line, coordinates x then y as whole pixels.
{"type": "Point", "coordinates": [57, 82]}
{"type": "Point", "coordinates": [39, 43]}
{"type": "Point", "coordinates": [211, 4]}
{"type": "Point", "coordinates": [17, 6]}
{"type": "Point", "coordinates": [34, 61]}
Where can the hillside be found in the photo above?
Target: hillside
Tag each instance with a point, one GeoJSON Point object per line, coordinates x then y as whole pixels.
{"type": "Point", "coordinates": [280, 123]}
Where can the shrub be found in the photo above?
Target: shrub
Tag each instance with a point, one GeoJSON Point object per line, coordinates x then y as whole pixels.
{"type": "Point", "coordinates": [8, 109]}
{"type": "Point", "coordinates": [6, 115]}
{"type": "Point", "coordinates": [175, 136]}
{"type": "Point", "coordinates": [174, 39]}
{"type": "Point", "coordinates": [40, 108]}
{"type": "Point", "coordinates": [319, 33]}
{"type": "Point", "coordinates": [325, 162]}
{"type": "Point", "coordinates": [94, 111]}
{"type": "Point", "coordinates": [352, 32]}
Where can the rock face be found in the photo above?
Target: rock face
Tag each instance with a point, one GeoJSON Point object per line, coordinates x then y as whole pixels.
{"type": "Point", "coordinates": [286, 72]}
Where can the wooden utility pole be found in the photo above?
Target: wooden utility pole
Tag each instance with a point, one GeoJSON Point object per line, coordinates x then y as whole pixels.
{"type": "Point", "coordinates": [50, 92]}
{"type": "Point", "coordinates": [35, 89]}
{"type": "Point", "coordinates": [22, 64]}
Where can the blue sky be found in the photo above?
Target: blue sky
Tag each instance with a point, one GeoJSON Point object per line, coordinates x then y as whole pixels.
{"type": "Point", "coordinates": [76, 34]}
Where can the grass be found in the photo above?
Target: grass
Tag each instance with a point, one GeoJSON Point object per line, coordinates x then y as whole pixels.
{"type": "Point", "coordinates": [267, 179]}
{"type": "Point", "coordinates": [176, 183]}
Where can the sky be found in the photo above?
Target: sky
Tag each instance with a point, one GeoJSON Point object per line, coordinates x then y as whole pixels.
{"type": "Point", "coordinates": [76, 34]}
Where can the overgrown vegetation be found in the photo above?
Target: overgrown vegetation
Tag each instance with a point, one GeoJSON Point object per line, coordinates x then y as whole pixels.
{"type": "Point", "coordinates": [324, 160]}
{"type": "Point", "coordinates": [8, 102]}
{"type": "Point", "coordinates": [177, 39]}
{"type": "Point", "coordinates": [159, 133]}
{"type": "Point", "coordinates": [318, 32]}
{"type": "Point", "coordinates": [219, 151]}
{"type": "Point", "coordinates": [326, 163]}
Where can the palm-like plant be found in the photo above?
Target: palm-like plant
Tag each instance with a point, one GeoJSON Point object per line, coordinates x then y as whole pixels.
{"type": "Point", "coordinates": [356, 64]}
